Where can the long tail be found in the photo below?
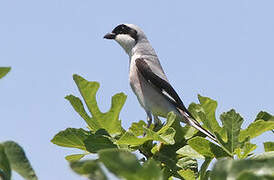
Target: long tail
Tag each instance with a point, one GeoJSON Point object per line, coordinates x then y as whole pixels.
{"type": "Point", "coordinates": [192, 122]}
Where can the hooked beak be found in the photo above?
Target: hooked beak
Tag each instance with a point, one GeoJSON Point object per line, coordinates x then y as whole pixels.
{"type": "Point", "coordinates": [110, 36]}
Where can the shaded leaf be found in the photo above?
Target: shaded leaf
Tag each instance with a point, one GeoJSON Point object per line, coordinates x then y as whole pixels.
{"type": "Point", "coordinates": [269, 146]}
{"type": "Point", "coordinates": [18, 160]}
{"type": "Point", "coordinates": [71, 137]}
{"type": "Point", "coordinates": [120, 162]}
{"type": "Point", "coordinates": [4, 71]}
{"type": "Point", "coordinates": [265, 155]}
{"type": "Point", "coordinates": [233, 169]}
{"type": "Point", "coordinates": [5, 169]}
{"type": "Point", "coordinates": [264, 116]}
{"type": "Point", "coordinates": [150, 171]}
{"type": "Point", "coordinates": [203, 171]}
{"type": "Point", "coordinates": [95, 143]}
{"type": "Point", "coordinates": [88, 168]}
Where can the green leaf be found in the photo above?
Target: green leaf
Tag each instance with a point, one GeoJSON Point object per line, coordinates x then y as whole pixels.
{"type": "Point", "coordinates": [265, 155]}
{"type": "Point", "coordinates": [171, 116]}
{"type": "Point", "coordinates": [233, 169]}
{"type": "Point", "coordinates": [120, 162]}
{"type": "Point", "coordinates": [4, 71]}
{"type": "Point", "coordinates": [187, 174]}
{"type": "Point", "coordinates": [95, 143]}
{"type": "Point", "coordinates": [269, 146]}
{"type": "Point", "coordinates": [245, 150]}
{"type": "Point", "coordinates": [5, 169]}
{"type": "Point", "coordinates": [209, 106]}
{"type": "Point", "coordinates": [18, 160]}
{"type": "Point", "coordinates": [203, 170]}
{"type": "Point", "coordinates": [129, 138]}
{"type": "Point", "coordinates": [264, 116]}
{"type": "Point", "coordinates": [256, 128]}
{"type": "Point", "coordinates": [146, 172]}
{"type": "Point", "coordinates": [71, 137]}
{"type": "Point", "coordinates": [189, 152]}
{"type": "Point", "coordinates": [188, 163]}
{"type": "Point", "coordinates": [79, 108]}
{"type": "Point", "coordinates": [206, 148]}
{"type": "Point", "coordinates": [109, 120]}
{"type": "Point", "coordinates": [74, 157]}
{"type": "Point", "coordinates": [137, 129]}
{"type": "Point", "coordinates": [165, 134]}
{"type": "Point", "coordinates": [232, 122]}
{"type": "Point", "coordinates": [88, 168]}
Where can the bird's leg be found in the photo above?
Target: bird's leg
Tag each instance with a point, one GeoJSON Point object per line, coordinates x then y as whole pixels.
{"type": "Point", "coordinates": [149, 119]}
{"type": "Point", "coordinates": [157, 123]}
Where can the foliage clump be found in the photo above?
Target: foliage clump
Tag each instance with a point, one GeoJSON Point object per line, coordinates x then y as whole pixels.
{"type": "Point", "coordinates": [172, 151]}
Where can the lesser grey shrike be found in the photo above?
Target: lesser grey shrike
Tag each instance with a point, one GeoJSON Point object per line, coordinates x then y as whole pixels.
{"type": "Point", "coordinates": [148, 80]}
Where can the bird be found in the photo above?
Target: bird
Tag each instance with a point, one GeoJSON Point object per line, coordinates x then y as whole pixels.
{"type": "Point", "coordinates": [148, 80]}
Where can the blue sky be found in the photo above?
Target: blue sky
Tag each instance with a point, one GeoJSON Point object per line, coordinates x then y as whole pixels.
{"type": "Point", "coordinates": [219, 49]}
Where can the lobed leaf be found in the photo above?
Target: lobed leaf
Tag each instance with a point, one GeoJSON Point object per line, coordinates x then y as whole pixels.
{"type": "Point", "coordinates": [109, 120]}
{"type": "Point", "coordinates": [256, 128]}
{"type": "Point", "coordinates": [232, 122]}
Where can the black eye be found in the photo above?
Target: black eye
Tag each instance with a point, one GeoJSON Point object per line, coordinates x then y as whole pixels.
{"type": "Point", "coordinates": [123, 29]}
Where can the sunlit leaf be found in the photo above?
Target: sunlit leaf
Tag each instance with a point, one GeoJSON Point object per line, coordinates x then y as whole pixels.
{"type": "Point", "coordinates": [245, 150]}
{"type": "Point", "coordinates": [18, 160]}
{"type": "Point", "coordinates": [4, 71]}
{"type": "Point", "coordinates": [71, 137]}
{"type": "Point", "coordinates": [79, 108]}
{"type": "Point", "coordinates": [74, 157]}
{"type": "Point", "coordinates": [189, 152]}
{"type": "Point", "coordinates": [187, 174]}
{"type": "Point", "coordinates": [109, 120]}
{"type": "Point", "coordinates": [206, 148]}
{"type": "Point", "coordinates": [256, 128]}
{"type": "Point", "coordinates": [232, 122]}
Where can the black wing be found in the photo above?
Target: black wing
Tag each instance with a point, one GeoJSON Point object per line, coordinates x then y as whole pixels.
{"type": "Point", "coordinates": [160, 83]}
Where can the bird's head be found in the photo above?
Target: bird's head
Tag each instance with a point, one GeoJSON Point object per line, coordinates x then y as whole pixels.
{"type": "Point", "coordinates": [127, 35]}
